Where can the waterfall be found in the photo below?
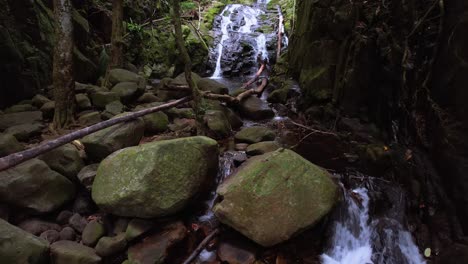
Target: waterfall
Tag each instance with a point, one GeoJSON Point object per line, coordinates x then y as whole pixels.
{"type": "Point", "coordinates": [225, 22]}
{"type": "Point", "coordinates": [239, 21]}
{"type": "Point", "coordinates": [352, 238]}
{"type": "Point", "coordinates": [354, 234]}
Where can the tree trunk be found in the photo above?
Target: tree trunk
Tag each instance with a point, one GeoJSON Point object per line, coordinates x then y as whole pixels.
{"type": "Point", "coordinates": [63, 82]}
{"type": "Point", "coordinates": [116, 59]}
{"type": "Point", "coordinates": [197, 97]}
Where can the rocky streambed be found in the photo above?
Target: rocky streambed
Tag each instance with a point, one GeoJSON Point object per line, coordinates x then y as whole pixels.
{"type": "Point", "coordinates": [280, 188]}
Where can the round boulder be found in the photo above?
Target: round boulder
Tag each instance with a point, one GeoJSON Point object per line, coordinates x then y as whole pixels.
{"type": "Point", "coordinates": [275, 196]}
{"type": "Point", "coordinates": [155, 179]}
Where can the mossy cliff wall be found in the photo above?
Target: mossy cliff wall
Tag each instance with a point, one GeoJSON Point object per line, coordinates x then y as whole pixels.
{"type": "Point", "coordinates": [377, 60]}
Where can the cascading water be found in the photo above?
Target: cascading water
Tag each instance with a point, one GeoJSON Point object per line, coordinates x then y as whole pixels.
{"type": "Point", "coordinates": [225, 23]}
{"type": "Point", "coordinates": [238, 25]}
{"type": "Point", "coordinates": [355, 235]}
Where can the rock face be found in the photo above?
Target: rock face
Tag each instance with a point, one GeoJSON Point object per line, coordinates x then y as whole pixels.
{"type": "Point", "coordinates": [155, 179]}
{"type": "Point", "coordinates": [18, 246]}
{"type": "Point", "coordinates": [274, 196]}
{"type": "Point", "coordinates": [35, 186]}
{"type": "Point", "coordinates": [102, 143]}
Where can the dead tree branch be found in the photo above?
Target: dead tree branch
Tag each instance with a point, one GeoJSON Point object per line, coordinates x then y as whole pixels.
{"type": "Point", "coordinates": [20, 157]}
{"type": "Point", "coordinates": [202, 246]}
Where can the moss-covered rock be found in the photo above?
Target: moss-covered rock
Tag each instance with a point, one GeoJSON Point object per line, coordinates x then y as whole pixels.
{"type": "Point", "coordinates": [68, 252]}
{"type": "Point", "coordinates": [255, 134]}
{"type": "Point", "coordinates": [278, 96]}
{"type": "Point", "coordinates": [108, 246]}
{"type": "Point", "coordinates": [207, 84]}
{"type": "Point", "coordinates": [20, 108]}
{"type": "Point", "coordinates": [128, 91]}
{"type": "Point", "coordinates": [93, 231]}
{"type": "Point", "coordinates": [101, 99]}
{"type": "Point", "coordinates": [218, 123]}
{"type": "Point", "coordinates": [33, 185]}
{"type": "Point", "coordinates": [121, 75]}
{"type": "Point", "coordinates": [82, 102]}
{"type": "Point", "coordinates": [65, 160]}
{"type": "Point", "coordinates": [9, 144]}
{"type": "Point", "coordinates": [13, 119]}
{"type": "Point", "coordinates": [155, 179]}
{"type": "Point", "coordinates": [25, 132]}
{"type": "Point", "coordinates": [89, 118]}
{"type": "Point", "coordinates": [19, 246]}
{"type": "Point", "coordinates": [262, 148]}
{"type": "Point", "coordinates": [274, 196]}
{"type": "Point", "coordinates": [102, 143]}
{"type": "Point", "coordinates": [254, 108]}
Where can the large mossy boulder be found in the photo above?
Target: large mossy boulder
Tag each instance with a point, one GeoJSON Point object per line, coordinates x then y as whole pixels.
{"type": "Point", "coordinates": [155, 179]}
{"type": "Point", "coordinates": [33, 185]}
{"type": "Point", "coordinates": [18, 246]}
{"type": "Point", "coordinates": [102, 143]}
{"type": "Point", "coordinates": [274, 196]}
{"type": "Point", "coordinates": [65, 160]}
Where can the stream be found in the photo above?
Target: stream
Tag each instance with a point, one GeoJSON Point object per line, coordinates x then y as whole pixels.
{"type": "Point", "coordinates": [357, 235]}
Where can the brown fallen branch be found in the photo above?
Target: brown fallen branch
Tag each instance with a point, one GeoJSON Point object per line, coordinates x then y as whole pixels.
{"type": "Point", "coordinates": [235, 100]}
{"type": "Point", "coordinates": [260, 70]}
{"type": "Point", "coordinates": [258, 91]}
{"type": "Point", "coordinates": [280, 32]}
{"type": "Point", "coordinates": [202, 246]}
{"type": "Point", "coordinates": [20, 157]}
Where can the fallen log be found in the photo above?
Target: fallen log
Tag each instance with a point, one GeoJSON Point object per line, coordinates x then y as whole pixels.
{"type": "Point", "coordinates": [260, 70]}
{"type": "Point", "coordinates": [202, 246]}
{"type": "Point", "coordinates": [235, 100]}
{"type": "Point", "coordinates": [20, 157]}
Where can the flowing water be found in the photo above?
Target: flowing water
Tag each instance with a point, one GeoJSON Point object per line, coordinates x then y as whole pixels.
{"type": "Point", "coordinates": [357, 238]}
{"type": "Point", "coordinates": [237, 28]}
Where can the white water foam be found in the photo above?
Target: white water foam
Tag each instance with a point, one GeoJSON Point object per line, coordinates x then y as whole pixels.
{"type": "Point", "coordinates": [249, 17]}
{"type": "Point", "coordinates": [352, 239]}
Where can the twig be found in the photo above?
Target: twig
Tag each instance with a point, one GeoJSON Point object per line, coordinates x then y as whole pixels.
{"type": "Point", "coordinates": [313, 129]}
{"type": "Point", "coordinates": [202, 246]}
{"type": "Point", "coordinates": [20, 157]}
